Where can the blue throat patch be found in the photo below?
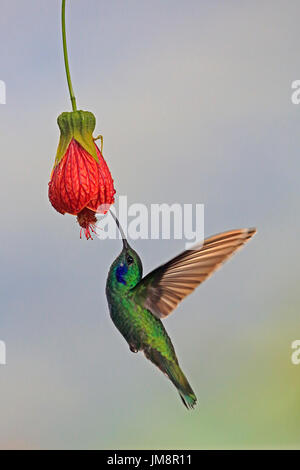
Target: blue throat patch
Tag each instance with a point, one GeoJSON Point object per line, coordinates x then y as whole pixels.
{"type": "Point", "coordinates": [120, 272]}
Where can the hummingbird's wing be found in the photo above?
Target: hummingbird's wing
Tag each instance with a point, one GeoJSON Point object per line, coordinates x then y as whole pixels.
{"type": "Point", "coordinates": [162, 289]}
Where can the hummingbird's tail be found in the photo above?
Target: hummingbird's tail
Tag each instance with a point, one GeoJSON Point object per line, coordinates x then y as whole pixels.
{"type": "Point", "coordinates": [189, 399]}
{"type": "Point", "coordinates": [180, 381]}
{"type": "Point", "coordinates": [172, 370]}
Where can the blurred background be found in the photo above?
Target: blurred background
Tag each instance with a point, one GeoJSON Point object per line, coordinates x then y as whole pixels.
{"type": "Point", "coordinates": [194, 101]}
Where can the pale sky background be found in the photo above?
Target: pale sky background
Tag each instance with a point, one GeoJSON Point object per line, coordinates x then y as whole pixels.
{"type": "Point", "coordinates": [194, 101]}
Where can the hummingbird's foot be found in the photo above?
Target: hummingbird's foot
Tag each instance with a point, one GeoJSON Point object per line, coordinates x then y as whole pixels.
{"type": "Point", "coordinates": [101, 139]}
{"type": "Point", "coordinates": [133, 348]}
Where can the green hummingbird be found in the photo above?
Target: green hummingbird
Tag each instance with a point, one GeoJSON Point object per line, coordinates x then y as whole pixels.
{"type": "Point", "coordinates": [137, 304]}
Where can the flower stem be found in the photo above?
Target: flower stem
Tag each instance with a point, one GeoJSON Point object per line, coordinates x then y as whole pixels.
{"type": "Point", "coordinates": [63, 26]}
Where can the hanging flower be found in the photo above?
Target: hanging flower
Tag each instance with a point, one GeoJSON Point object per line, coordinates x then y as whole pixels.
{"type": "Point", "coordinates": [81, 183]}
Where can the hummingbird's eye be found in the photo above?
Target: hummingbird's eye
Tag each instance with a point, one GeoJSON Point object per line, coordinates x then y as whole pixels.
{"type": "Point", "coordinates": [129, 260]}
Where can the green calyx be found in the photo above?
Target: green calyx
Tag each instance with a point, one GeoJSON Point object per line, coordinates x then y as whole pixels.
{"type": "Point", "coordinates": [77, 125]}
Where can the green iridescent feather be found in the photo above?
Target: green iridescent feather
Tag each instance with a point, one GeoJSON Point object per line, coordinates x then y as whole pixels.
{"type": "Point", "coordinates": [140, 328]}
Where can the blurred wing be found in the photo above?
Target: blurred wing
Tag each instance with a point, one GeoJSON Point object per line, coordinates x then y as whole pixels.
{"type": "Point", "coordinates": [162, 289]}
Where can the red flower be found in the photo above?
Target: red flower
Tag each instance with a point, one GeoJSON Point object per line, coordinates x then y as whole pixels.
{"type": "Point", "coordinates": [81, 183]}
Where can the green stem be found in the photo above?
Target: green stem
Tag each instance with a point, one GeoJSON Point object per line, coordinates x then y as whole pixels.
{"type": "Point", "coordinates": [63, 26]}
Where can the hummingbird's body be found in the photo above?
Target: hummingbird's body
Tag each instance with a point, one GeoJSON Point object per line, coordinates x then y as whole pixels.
{"type": "Point", "coordinates": [142, 330]}
{"type": "Point", "coordinates": [136, 304]}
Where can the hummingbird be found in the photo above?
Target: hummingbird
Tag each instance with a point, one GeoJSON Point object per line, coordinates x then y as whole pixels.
{"type": "Point", "coordinates": [138, 304]}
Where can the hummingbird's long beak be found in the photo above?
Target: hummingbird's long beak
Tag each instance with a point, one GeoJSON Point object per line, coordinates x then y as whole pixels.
{"type": "Point", "coordinates": [125, 242]}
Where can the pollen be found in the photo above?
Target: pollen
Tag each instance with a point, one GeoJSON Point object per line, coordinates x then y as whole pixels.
{"type": "Point", "coordinates": [87, 221]}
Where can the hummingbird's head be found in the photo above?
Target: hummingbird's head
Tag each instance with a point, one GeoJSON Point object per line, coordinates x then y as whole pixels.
{"type": "Point", "coordinates": [127, 270]}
